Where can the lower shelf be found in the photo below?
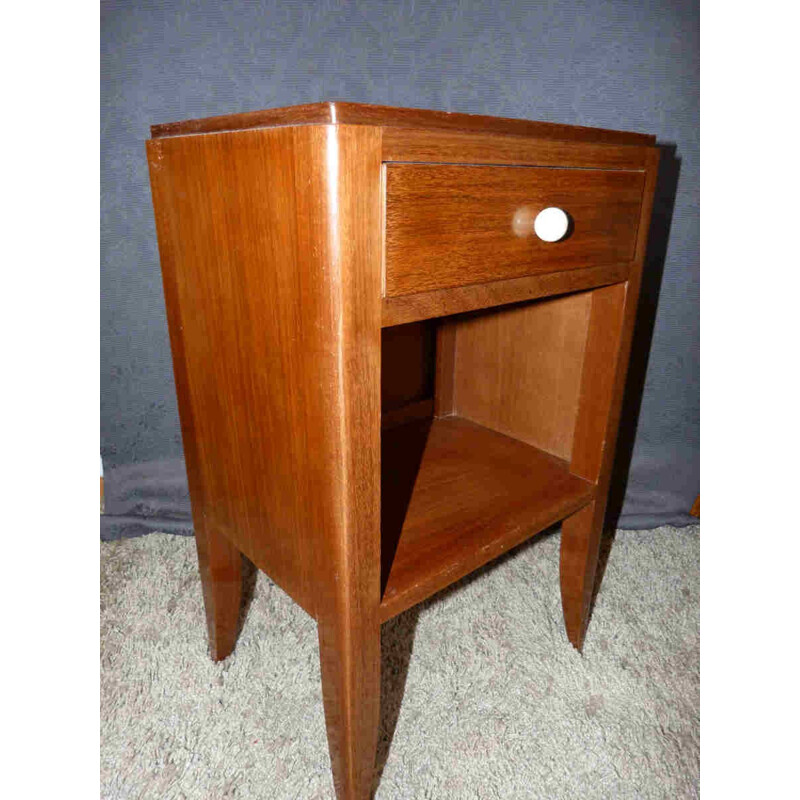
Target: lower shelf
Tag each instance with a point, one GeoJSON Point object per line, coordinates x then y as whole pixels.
{"type": "Point", "coordinates": [454, 496]}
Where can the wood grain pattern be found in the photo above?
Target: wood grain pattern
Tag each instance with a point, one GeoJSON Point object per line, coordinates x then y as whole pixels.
{"type": "Point", "coordinates": [458, 299]}
{"type": "Point", "coordinates": [518, 370]}
{"type": "Point", "coordinates": [580, 547]}
{"type": "Point", "coordinates": [288, 361]}
{"type": "Point", "coordinates": [471, 494]}
{"type": "Point", "coordinates": [220, 564]}
{"type": "Point", "coordinates": [232, 353]}
{"type": "Point", "coordinates": [446, 147]}
{"type": "Point", "coordinates": [597, 381]}
{"type": "Point", "coordinates": [604, 372]}
{"type": "Point", "coordinates": [346, 562]}
{"type": "Point", "coordinates": [270, 249]}
{"type": "Point", "coordinates": [593, 453]}
{"type": "Point", "coordinates": [444, 398]}
{"type": "Point", "coordinates": [452, 225]}
{"type": "Point", "coordinates": [581, 533]}
{"type": "Point", "coordinates": [336, 112]}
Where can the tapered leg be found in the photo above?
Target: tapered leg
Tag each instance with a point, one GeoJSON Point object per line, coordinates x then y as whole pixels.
{"type": "Point", "coordinates": [580, 546]}
{"type": "Point", "coordinates": [221, 574]}
{"type": "Point", "coordinates": [603, 380]}
{"type": "Point", "coordinates": [350, 660]}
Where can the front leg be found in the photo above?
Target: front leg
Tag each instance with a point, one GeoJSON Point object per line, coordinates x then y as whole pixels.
{"type": "Point", "coordinates": [350, 660]}
{"type": "Point", "coordinates": [221, 574]}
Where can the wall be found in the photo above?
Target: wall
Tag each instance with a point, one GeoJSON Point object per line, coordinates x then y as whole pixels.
{"type": "Point", "coordinates": [626, 65]}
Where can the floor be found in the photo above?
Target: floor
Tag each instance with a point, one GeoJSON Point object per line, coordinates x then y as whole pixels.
{"type": "Point", "coordinates": [482, 695]}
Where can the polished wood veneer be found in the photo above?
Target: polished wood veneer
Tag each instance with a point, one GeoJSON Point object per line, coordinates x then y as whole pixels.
{"type": "Point", "coordinates": [476, 493]}
{"type": "Point", "coordinates": [453, 225]}
{"type": "Point", "coordinates": [341, 113]}
{"type": "Point", "coordinates": [384, 379]}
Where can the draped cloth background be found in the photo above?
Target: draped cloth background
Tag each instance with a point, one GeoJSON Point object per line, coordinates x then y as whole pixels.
{"type": "Point", "coordinates": [630, 66]}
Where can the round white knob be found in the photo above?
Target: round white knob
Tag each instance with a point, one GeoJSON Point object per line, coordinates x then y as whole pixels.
{"type": "Point", "coordinates": [551, 224]}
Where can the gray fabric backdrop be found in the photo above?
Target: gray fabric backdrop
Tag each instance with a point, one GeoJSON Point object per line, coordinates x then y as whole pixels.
{"type": "Point", "coordinates": [614, 64]}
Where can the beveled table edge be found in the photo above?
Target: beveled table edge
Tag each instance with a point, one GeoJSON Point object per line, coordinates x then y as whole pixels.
{"type": "Point", "coordinates": [344, 113]}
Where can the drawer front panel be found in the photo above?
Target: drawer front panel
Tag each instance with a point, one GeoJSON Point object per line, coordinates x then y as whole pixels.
{"type": "Point", "coordinates": [449, 225]}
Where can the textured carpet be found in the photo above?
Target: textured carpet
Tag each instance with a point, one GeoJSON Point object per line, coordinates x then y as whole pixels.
{"type": "Point", "coordinates": [483, 697]}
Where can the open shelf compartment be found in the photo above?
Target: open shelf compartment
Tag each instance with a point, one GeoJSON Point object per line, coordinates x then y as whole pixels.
{"type": "Point", "coordinates": [479, 418]}
{"type": "Point", "coordinates": [454, 496]}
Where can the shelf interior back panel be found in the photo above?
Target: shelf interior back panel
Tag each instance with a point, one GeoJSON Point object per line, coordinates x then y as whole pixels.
{"type": "Point", "coordinates": [455, 495]}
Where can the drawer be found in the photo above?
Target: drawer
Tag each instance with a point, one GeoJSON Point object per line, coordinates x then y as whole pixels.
{"type": "Point", "coordinates": [454, 225]}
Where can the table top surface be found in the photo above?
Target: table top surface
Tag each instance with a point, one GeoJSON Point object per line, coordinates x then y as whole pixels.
{"type": "Point", "coordinates": [342, 113]}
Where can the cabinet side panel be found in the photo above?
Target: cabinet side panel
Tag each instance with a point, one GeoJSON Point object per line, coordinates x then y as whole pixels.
{"type": "Point", "coordinates": [252, 326]}
{"type": "Point", "coordinates": [611, 325]}
{"type": "Point", "coordinates": [518, 370]}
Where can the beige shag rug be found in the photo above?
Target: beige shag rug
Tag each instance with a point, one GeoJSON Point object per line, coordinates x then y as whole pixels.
{"type": "Point", "coordinates": [483, 696]}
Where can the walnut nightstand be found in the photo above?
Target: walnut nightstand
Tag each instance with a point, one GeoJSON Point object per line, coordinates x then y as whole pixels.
{"type": "Point", "coordinates": [400, 341]}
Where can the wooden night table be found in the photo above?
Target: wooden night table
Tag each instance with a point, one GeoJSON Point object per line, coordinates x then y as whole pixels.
{"type": "Point", "coordinates": [400, 341]}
